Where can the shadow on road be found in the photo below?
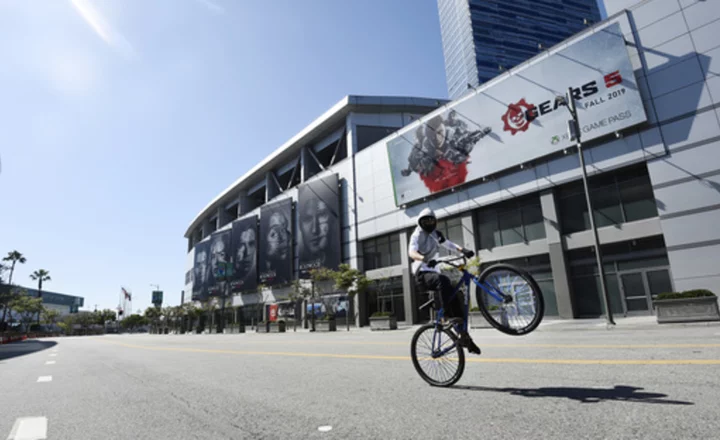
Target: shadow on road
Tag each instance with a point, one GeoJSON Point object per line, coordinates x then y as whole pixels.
{"type": "Point", "coordinates": [585, 395]}
{"type": "Point", "coordinates": [16, 349]}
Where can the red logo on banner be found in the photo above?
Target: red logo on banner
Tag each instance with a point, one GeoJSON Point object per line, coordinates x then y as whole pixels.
{"type": "Point", "coordinates": [273, 312]}
{"type": "Point", "coordinates": [516, 117]}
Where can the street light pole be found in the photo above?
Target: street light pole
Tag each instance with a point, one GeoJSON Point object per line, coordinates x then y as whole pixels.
{"type": "Point", "coordinates": [575, 134]}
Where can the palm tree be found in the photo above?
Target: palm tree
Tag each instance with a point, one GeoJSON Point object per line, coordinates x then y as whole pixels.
{"type": "Point", "coordinates": [14, 257]}
{"type": "Point", "coordinates": [40, 275]}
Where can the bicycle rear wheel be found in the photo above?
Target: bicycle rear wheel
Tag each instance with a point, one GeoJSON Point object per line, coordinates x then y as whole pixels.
{"type": "Point", "coordinates": [437, 356]}
{"type": "Point", "coordinates": [522, 307]}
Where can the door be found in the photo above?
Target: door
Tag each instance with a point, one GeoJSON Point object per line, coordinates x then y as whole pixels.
{"type": "Point", "coordinates": [639, 288]}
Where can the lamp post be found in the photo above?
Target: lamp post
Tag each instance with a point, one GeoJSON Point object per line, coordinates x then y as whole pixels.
{"type": "Point", "coordinates": [575, 134]}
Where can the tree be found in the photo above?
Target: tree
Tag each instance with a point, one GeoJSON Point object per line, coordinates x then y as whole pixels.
{"type": "Point", "coordinates": [192, 312]}
{"type": "Point", "coordinates": [27, 307]}
{"type": "Point", "coordinates": [152, 314]}
{"type": "Point", "coordinates": [299, 293]}
{"type": "Point", "coordinates": [7, 295]}
{"type": "Point", "coordinates": [209, 308]}
{"type": "Point", "coordinates": [14, 257]}
{"type": "Point", "coordinates": [107, 315]}
{"type": "Point", "coordinates": [51, 316]}
{"type": "Point", "coordinates": [134, 321]}
{"type": "Point", "coordinates": [40, 276]}
{"type": "Point", "coordinates": [351, 281]}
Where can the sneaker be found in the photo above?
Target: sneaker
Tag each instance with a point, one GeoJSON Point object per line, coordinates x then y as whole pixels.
{"type": "Point", "coordinates": [467, 342]}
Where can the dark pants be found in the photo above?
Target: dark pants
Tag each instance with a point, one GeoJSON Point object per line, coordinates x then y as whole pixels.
{"type": "Point", "coordinates": [441, 284]}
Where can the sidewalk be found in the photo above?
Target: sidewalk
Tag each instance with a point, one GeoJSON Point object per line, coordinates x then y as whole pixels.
{"type": "Point", "coordinates": [621, 323]}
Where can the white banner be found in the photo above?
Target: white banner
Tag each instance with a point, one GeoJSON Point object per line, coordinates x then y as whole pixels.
{"type": "Point", "coordinates": [518, 118]}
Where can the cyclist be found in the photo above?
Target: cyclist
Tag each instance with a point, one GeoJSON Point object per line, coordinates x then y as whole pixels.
{"type": "Point", "coordinates": [423, 249]}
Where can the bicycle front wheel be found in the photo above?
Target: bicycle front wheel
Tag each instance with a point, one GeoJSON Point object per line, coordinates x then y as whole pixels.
{"type": "Point", "coordinates": [510, 299]}
{"type": "Point", "coordinates": [437, 356]}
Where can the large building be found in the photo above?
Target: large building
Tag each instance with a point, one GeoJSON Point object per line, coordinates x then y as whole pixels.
{"type": "Point", "coordinates": [508, 181]}
{"type": "Point", "coordinates": [482, 38]}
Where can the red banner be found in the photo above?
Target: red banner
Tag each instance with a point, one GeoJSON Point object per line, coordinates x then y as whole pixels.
{"type": "Point", "coordinates": [273, 312]}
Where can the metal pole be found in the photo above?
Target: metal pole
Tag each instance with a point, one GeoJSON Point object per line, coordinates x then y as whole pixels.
{"type": "Point", "coordinates": [591, 213]}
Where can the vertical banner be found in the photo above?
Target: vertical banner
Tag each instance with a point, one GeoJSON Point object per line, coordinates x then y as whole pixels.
{"type": "Point", "coordinates": [200, 271]}
{"type": "Point", "coordinates": [319, 224]}
{"type": "Point", "coordinates": [276, 257]}
{"type": "Point", "coordinates": [244, 250]}
{"type": "Point", "coordinates": [273, 312]}
{"type": "Point", "coordinates": [219, 256]}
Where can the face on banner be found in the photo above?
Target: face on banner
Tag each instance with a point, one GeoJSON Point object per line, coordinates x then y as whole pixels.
{"type": "Point", "coordinates": [244, 239]}
{"type": "Point", "coordinates": [519, 118]}
{"type": "Point", "coordinates": [319, 224]}
{"type": "Point", "coordinates": [276, 243]}
{"type": "Point", "coordinates": [218, 256]}
{"type": "Point", "coordinates": [200, 269]}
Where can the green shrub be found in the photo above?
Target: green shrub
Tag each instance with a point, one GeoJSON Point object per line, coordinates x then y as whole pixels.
{"type": "Point", "coordinates": [381, 314]}
{"type": "Point", "coordinates": [697, 293]}
{"type": "Point", "coordinates": [475, 309]}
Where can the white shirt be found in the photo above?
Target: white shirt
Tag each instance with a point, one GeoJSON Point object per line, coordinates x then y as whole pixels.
{"type": "Point", "coordinates": [428, 246]}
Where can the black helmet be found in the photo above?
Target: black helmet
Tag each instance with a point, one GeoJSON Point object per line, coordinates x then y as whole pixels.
{"type": "Point", "coordinates": [427, 220]}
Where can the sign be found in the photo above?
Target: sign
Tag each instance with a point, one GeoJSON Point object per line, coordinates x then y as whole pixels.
{"type": "Point", "coordinates": [519, 118]}
{"type": "Point", "coordinates": [200, 271]}
{"type": "Point", "coordinates": [157, 297]}
{"type": "Point", "coordinates": [276, 257]}
{"type": "Point", "coordinates": [273, 312]}
{"type": "Point", "coordinates": [243, 248]}
{"type": "Point", "coordinates": [219, 257]}
{"type": "Point", "coordinates": [319, 224]}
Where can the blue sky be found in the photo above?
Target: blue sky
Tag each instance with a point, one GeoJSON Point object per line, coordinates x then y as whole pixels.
{"type": "Point", "coordinates": [122, 119]}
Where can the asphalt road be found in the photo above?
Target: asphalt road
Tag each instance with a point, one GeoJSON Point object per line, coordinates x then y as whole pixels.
{"type": "Point", "coordinates": [561, 382]}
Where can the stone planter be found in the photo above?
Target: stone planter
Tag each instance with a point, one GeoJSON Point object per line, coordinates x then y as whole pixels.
{"type": "Point", "coordinates": [477, 320]}
{"type": "Point", "coordinates": [262, 327]}
{"type": "Point", "coordinates": [383, 323]}
{"type": "Point", "coordinates": [687, 310]}
{"type": "Point", "coordinates": [325, 326]}
{"type": "Point", "coordinates": [277, 327]}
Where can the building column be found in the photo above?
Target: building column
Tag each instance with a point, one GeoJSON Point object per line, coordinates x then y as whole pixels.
{"type": "Point", "coordinates": [408, 282]}
{"type": "Point", "coordinates": [223, 217]}
{"type": "Point", "coordinates": [469, 242]}
{"type": "Point", "coordinates": [558, 263]}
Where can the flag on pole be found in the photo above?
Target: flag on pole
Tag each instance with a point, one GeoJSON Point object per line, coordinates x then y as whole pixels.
{"type": "Point", "coordinates": [127, 295]}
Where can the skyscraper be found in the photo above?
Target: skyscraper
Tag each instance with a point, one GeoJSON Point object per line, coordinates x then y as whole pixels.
{"type": "Point", "coordinates": [481, 38]}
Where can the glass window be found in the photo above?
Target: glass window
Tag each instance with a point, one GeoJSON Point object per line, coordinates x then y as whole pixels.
{"type": "Point", "coordinates": [511, 230]}
{"type": "Point", "coordinates": [606, 203]}
{"type": "Point", "coordinates": [533, 221]}
{"type": "Point", "coordinates": [381, 252]}
{"type": "Point", "coordinates": [659, 282]}
{"type": "Point", "coordinates": [637, 199]}
{"type": "Point", "coordinates": [395, 250]}
{"type": "Point", "coordinates": [368, 135]}
{"type": "Point", "coordinates": [488, 229]}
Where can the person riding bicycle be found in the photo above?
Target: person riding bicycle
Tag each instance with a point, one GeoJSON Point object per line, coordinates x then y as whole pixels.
{"type": "Point", "coordinates": [423, 249]}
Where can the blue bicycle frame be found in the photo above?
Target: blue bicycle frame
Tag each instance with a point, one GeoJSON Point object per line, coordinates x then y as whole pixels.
{"type": "Point", "coordinates": [464, 281]}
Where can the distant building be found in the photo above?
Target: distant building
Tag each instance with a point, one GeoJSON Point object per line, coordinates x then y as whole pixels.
{"type": "Point", "coordinates": [65, 304]}
{"type": "Point", "coordinates": [483, 38]}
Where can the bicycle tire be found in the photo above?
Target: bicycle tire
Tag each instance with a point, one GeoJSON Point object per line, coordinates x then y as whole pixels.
{"type": "Point", "coordinates": [539, 303]}
{"type": "Point", "coordinates": [454, 377]}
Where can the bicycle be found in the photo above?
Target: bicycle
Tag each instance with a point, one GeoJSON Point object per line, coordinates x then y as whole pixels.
{"type": "Point", "coordinates": [505, 295]}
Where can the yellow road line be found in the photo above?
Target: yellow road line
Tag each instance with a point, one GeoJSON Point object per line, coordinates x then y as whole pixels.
{"type": "Point", "coordinates": [479, 342]}
{"type": "Point", "coordinates": [407, 358]}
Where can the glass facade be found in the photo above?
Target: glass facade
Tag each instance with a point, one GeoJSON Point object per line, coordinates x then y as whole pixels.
{"type": "Point", "coordinates": [514, 221]}
{"type": "Point", "coordinates": [622, 196]}
{"type": "Point", "coordinates": [481, 38]}
{"type": "Point", "coordinates": [381, 252]}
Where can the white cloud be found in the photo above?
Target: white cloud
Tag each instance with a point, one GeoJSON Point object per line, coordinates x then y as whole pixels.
{"type": "Point", "coordinates": [214, 7]}
{"type": "Point", "coordinates": [102, 28]}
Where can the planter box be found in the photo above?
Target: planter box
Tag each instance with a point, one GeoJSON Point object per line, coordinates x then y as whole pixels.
{"type": "Point", "coordinates": [383, 323]}
{"type": "Point", "coordinates": [277, 327]}
{"type": "Point", "coordinates": [477, 320]}
{"type": "Point", "coordinates": [262, 327]}
{"type": "Point", "coordinates": [687, 310]}
{"type": "Point", "coordinates": [325, 326]}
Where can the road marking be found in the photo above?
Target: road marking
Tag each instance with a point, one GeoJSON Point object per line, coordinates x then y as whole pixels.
{"type": "Point", "coordinates": [50, 363]}
{"type": "Point", "coordinates": [324, 428]}
{"type": "Point", "coordinates": [45, 379]}
{"type": "Point", "coordinates": [483, 345]}
{"type": "Point", "coordinates": [53, 354]}
{"type": "Point", "coordinates": [29, 428]}
{"type": "Point", "coordinates": [407, 358]}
